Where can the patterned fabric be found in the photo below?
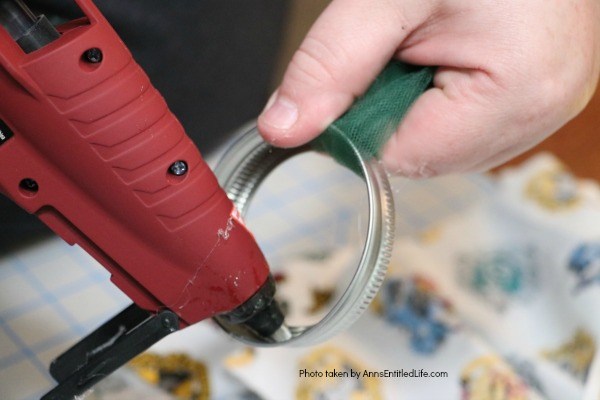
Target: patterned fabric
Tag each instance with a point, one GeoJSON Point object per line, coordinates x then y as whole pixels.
{"type": "Point", "coordinates": [488, 285]}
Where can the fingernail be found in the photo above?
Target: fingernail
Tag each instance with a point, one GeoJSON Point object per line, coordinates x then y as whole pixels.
{"type": "Point", "coordinates": [280, 113]}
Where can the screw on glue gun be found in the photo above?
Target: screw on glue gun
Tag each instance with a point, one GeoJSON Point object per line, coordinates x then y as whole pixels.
{"type": "Point", "coordinates": [260, 313]}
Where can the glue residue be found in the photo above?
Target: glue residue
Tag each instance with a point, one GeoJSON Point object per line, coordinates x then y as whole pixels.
{"type": "Point", "coordinates": [223, 234]}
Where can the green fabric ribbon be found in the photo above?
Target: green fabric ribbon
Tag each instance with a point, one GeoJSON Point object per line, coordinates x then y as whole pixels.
{"type": "Point", "coordinates": [374, 117]}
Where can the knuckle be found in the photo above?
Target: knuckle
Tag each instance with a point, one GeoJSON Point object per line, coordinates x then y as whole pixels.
{"type": "Point", "coordinates": [316, 63]}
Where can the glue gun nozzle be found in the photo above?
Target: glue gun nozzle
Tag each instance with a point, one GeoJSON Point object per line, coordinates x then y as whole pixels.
{"type": "Point", "coordinates": [261, 313]}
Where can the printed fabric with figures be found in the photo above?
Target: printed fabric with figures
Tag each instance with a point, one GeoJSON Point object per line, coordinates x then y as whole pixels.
{"type": "Point", "coordinates": [502, 296]}
{"type": "Point", "coordinates": [496, 302]}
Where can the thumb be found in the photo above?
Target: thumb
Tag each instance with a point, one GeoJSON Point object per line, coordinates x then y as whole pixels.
{"type": "Point", "coordinates": [342, 54]}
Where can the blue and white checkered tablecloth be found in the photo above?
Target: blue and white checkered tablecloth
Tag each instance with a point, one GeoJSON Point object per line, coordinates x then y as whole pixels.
{"type": "Point", "coordinates": [52, 294]}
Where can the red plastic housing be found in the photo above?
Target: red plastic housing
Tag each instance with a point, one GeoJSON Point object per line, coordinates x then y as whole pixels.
{"type": "Point", "coordinates": [99, 139]}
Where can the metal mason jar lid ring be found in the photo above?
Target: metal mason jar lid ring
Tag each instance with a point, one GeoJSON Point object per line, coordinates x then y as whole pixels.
{"type": "Point", "coordinates": [242, 169]}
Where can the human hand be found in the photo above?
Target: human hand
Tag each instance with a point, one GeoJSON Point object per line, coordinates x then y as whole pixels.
{"type": "Point", "coordinates": [510, 74]}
